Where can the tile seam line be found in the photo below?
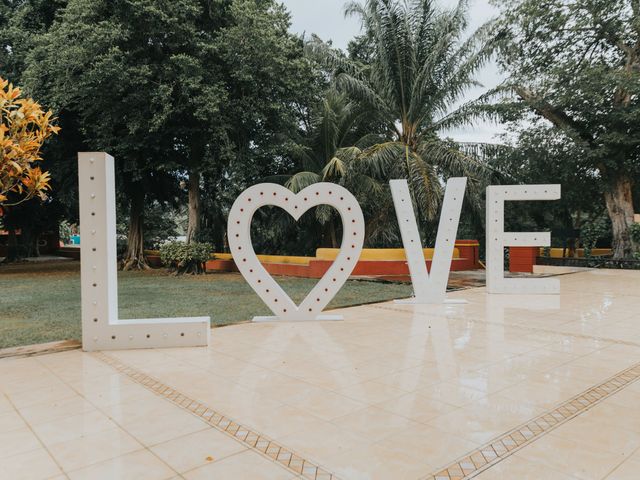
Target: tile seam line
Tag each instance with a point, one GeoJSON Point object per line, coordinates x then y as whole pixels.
{"type": "Point", "coordinates": [535, 437]}
{"type": "Point", "coordinates": [140, 377]}
{"type": "Point", "coordinates": [33, 432]}
{"type": "Point", "coordinates": [144, 448]}
{"type": "Point", "coordinates": [618, 465]}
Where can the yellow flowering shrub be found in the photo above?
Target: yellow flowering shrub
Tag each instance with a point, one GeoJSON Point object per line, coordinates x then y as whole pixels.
{"type": "Point", "coordinates": [24, 127]}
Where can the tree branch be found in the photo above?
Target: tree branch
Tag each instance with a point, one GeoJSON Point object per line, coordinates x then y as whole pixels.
{"type": "Point", "coordinates": [555, 115]}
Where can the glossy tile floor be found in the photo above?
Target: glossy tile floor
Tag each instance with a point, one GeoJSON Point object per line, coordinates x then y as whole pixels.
{"type": "Point", "coordinates": [514, 387]}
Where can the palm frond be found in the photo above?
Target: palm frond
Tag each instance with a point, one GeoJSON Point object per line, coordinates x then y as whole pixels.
{"type": "Point", "coordinates": [279, 179]}
{"type": "Point", "coordinates": [330, 57]}
{"type": "Point", "coordinates": [302, 180]}
{"type": "Point", "coordinates": [480, 108]}
{"type": "Point", "coordinates": [361, 91]}
{"type": "Point", "coordinates": [424, 185]}
{"type": "Point", "coordinates": [369, 140]}
{"type": "Point", "coordinates": [380, 160]}
{"type": "Point", "coordinates": [334, 170]}
{"type": "Point", "coordinates": [325, 214]}
{"type": "Point", "coordinates": [450, 159]}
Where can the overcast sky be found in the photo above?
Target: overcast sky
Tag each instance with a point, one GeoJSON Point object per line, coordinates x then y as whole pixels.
{"type": "Point", "coordinates": [325, 18]}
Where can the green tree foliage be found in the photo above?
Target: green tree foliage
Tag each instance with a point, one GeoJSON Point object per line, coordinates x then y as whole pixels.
{"type": "Point", "coordinates": [197, 95]}
{"type": "Point", "coordinates": [410, 68]}
{"type": "Point", "coordinates": [332, 142]}
{"type": "Point", "coordinates": [576, 64]}
{"type": "Point", "coordinates": [540, 154]}
{"type": "Point", "coordinates": [271, 88]}
{"type": "Point", "coordinates": [21, 21]}
{"type": "Point", "coordinates": [327, 153]}
{"type": "Point", "coordinates": [135, 78]}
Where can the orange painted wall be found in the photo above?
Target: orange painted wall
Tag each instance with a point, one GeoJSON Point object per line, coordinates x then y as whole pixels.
{"type": "Point", "coordinates": [522, 259]}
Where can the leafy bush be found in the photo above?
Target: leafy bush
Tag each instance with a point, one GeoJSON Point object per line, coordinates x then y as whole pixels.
{"type": "Point", "coordinates": [590, 233]}
{"type": "Point", "coordinates": [181, 257]}
{"type": "Point", "coordinates": [65, 232]}
{"type": "Point", "coordinates": [634, 231]}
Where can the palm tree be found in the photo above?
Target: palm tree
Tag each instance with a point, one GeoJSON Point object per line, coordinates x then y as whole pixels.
{"type": "Point", "coordinates": [333, 145]}
{"type": "Point", "coordinates": [418, 68]}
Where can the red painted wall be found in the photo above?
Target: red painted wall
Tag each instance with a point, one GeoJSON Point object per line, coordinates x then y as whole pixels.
{"type": "Point", "coordinates": [522, 259]}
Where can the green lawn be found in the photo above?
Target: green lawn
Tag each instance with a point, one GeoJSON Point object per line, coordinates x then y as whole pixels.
{"type": "Point", "coordinates": [40, 302]}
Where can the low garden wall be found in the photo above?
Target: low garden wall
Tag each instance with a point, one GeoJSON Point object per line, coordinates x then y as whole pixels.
{"type": "Point", "coordinates": [522, 259]}
{"type": "Point", "coordinates": [594, 262]}
{"type": "Point", "coordinates": [389, 263]}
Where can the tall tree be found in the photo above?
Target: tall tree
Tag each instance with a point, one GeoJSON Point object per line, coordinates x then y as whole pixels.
{"type": "Point", "coordinates": [576, 63]}
{"type": "Point", "coordinates": [136, 76]}
{"type": "Point", "coordinates": [269, 86]}
{"type": "Point", "coordinates": [334, 141]}
{"type": "Point", "coordinates": [21, 21]}
{"type": "Point", "coordinates": [539, 154]}
{"type": "Point", "coordinates": [412, 66]}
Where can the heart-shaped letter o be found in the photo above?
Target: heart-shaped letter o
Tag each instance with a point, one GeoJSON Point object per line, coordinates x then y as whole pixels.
{"type": "Point", "coordinates": [239, 233]}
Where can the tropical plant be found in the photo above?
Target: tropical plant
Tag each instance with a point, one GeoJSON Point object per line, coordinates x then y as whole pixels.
{"type": "Point", "coordinates": [539, 154]}
{"type": "Point", "coordinates": [327, 154]}
{"type": "Point", "coordinates": [65, 230]}
{"type": "Point", "coordinates": [24, 127]}
{"type": "Point", "coordinates": [635, 232]}
{"type": "Point", "coordinates": [414, 69]}
{"type": "Point", "coordinates": [331, 146]}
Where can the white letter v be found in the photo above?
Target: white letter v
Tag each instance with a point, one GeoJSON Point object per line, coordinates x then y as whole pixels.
{"type": "Point", "coordinates": [429, 288]}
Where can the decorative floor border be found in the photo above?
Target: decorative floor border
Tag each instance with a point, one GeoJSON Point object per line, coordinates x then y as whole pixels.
{"type": "Point", "coordinates": [496, 450]}
{"type": "Point", "coordinates": [465, 467]}
{"type": "Point", "coordinates": [503, 446]}
{"type": "Point", "coordinates": [257, 442]}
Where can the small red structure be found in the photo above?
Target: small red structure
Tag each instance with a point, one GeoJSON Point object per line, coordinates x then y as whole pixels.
{"type": "Point", "coordinates": [522, 259]}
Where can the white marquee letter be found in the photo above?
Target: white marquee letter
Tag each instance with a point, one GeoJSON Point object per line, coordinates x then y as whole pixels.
{"type": "Point", "coordinates": [429, 288]}
{"type": "Point", "coordinates": [497, 239]}
{"type": "Point", "coordinates": [101, 328]}
{"type": "Point", "coordinates": [239, 234]}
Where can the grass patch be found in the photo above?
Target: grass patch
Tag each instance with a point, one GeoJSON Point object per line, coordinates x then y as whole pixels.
{"type": "Point", "coordinates": [40, 302]}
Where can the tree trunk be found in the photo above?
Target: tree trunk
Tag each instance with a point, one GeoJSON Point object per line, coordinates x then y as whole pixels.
{"type": "Point", "coordinates": [332, 234]}
{"type": "Point", "coordinates": [29, 241]}
{"type": "Point", "coordinates": [36, 245]}
{"type": "Point", "coordinates": [13, 249]}
{"type": "Point", "coordinates": [193, 227]}
{"type": "Point", "coordinates": [134, 258]}
{"type": "Point", "coordinates": [619, 200]}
